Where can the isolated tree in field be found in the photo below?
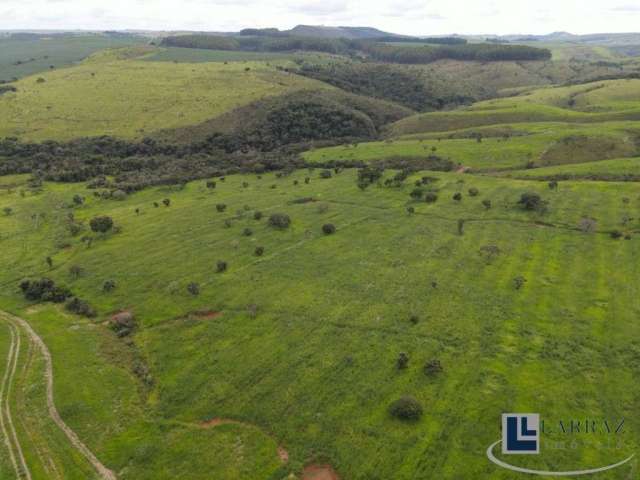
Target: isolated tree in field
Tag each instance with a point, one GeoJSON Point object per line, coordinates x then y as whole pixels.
{"type": "Point", "coordinates": [432, 367]}
{"type": "Point", "coordinates": [406, 408]}
{"type": "Point", "coordinates": [193, 288]}
{"type": "Point", "coordinates": [553, 185]}
{"type": "Point", "coordinates": [486, 203]}
{"type": "Point", "coordinates": [108, 286]}
{"type": "Point", "coordinates": [519, 282]}
{"type": "Point", "coordinates": [221, 266]}
{"type": "Point", "coordinates": [431, 197]}
{"type": "Point", "coordinates": [221, 207]}
{"type": "Point", "coordinates": [166, 202]}
{"type": "Point", "coordinates": [457, 196]}
{"type": "Point", "coordinates": [211, 185]}
{"type": "Point", "coordinates": [280, 221]}
{"type": "Point", "coordinates": [78, 200]}
{"type": "Point", "coordinates": [328, 228]}
{"type": "Point", "coordinates": [101, 224]}
{"type": "Point", "coordinates": [403, 361]}
{"type": "Point", "coordinates": [532, 202]}
{"type": "Point", "coordinates": [473, 192]}
{"type": "Point", "coordinates": [49, 261]}
{"type": "Point", "coordinates": [259, 251]}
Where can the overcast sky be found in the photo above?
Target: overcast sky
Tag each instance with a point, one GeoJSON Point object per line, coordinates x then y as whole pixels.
{"type": "Point", "coordinates": [418, 17]}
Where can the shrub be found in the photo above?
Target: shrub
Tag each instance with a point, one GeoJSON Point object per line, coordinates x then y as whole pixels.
{"type": "Point", "coordinates": [473, 192]}
{"type": "Point", "coordinates": [532, 202]}
{"type": "Point", "coordinates": [325, 174]}
{"type": "Point", "coordinates": [78, 200]}
{"type": "Point", "coordinates": [432, 367]}
{"type": "Point", "coordinates": [414, 319]}
{"type": "Point", "coordinates": [417, 193]}
{"type": "Point", "coordinates": [411, 210]}
{"type": "Point", "coordinates": [279, 220]}
{"type": "Point", "coordinates": [221, 207]}
{"type": "Point", "coordinates": [122, 323]}
{"type": "Point", "coordinates": [122, 195]}
{"type": "Point", "coordinates": [329, 228]}
{"type": "Point", "coordinates": [101, 224]}
{"type": "Point", "coordinates": [247, 232]}
{"type": "Point", "coordinates": [489, 252]}
{"type": "Point", "coordinates": [486, 204]}
{"type": "Point", "coordinates": [245, 184]}
{"type": "Point", "coordinates": [211, 184]}
{"type": "Point", "coordinates": [403, 361]}
{"type": "Point", "coordinates": [259, 251]}
{"type": "Point", "coordinates": [166, 202]}
{"type": "Point", "coordinates": [80, 307]}
{"type": "Point", "coordinates": [109, 286]}
{"type": "Point", "coordinates": [307, 180]}
{"type": "Point", "coordinates": [430, 197]}
{"type": "Point", "coordinates": [553, 185]}
{"type": "Point", "coordinates": [587, 225]}
{"type": "Point", "coordinates": [44, 290]}
{"type": "Point", "coordinates": [221, 266]}
{"type": "Point", "coordinates": [194, 289]}
{"type": "Point", "coordinates": [457, 196]}
{"type": "Point", "coordinates": [7, 211]}
{"type": "Point", "coordinates": [519, 282]}
{"type": "Point", "coordinates": [76, 271]}
{"type": "Point", "coordinates": [615, 234]}
{"type": "Point", "coordinates": [257, 216]}
{"type": "Point", "coordinates": [406, 408]}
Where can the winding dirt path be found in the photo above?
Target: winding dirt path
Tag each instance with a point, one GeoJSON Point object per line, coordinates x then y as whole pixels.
{"type": "Point", "coordinates": [103, 471]}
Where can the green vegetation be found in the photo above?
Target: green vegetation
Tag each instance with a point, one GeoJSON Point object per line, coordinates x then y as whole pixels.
{"type": "Point", "coordinates": [109, 95]}
{"type": "Point", "coordinates": [206, 365]}
{"type": "Point", "coordinates": [22, 55]}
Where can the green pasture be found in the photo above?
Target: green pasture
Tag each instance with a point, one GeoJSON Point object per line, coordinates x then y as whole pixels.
{"type": "Point", "coordinates": [300, 344]}
{"type": "Point", "coordinates": [117, 93]}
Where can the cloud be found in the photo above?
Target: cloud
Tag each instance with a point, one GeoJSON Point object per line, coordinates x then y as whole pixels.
{"type": "Point", "coordinates": [627, 8]}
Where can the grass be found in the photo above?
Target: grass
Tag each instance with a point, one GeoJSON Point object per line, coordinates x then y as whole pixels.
{"type": "Point", "coordinates": [23, 57]}
{"type": "Point", "coordinates": [616, 169]}
{"type": "Point", "coordinates": [313, 369]}
{"type": "Point", "coordinates": [503, 146]}
{"type": "Point", "coordinates": [197, 55]}
{"type": "Point", "coordinates": [612, 100]}
{"type": "Point", "coordinates": [117, 93]}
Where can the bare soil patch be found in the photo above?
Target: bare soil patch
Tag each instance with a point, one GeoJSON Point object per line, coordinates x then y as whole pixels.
{"type": "Point", "coordinates": [205, 314]}
{"type": "Point", "coordinates": [319, 472]}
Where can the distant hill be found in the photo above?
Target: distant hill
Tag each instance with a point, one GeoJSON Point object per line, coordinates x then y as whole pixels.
{"type": "Point", "coordinates": [338, 32]}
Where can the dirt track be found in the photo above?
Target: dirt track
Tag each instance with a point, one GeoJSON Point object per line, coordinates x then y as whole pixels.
{"type": "Point", "coordinates": [16, 322]}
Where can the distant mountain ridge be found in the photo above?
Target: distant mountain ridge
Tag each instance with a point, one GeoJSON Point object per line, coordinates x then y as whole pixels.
{"type": "Point", "coordinates": [339, 32]}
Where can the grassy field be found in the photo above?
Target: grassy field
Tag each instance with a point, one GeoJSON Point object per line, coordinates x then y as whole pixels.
{"type": "Point", "coordinates": [606, 169]}
{"type": "Point", "coordinates": [197, 55]}
{"type": "Point", "coordinates": [612, 100]}
{"type": "Point", "coordinates": [23, 57]}
{"type": "Point", "coordinates": [300, 345]}
{"type": "Point", "coordinates": [117, 93]}
{"type": "Point", "coordinates": [502, 147]}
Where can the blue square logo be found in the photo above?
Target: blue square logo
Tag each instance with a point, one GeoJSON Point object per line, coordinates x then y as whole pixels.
{"type": "Point", "coordinates": [520, 433]}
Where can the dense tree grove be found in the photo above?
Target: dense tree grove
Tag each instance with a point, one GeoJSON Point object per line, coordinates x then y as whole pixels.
{"type": "Point", "coordinates": [482, 52]}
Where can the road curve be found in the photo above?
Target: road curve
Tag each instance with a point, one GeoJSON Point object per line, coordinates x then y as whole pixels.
{"type": "Point", "coordinates": [104, 472]}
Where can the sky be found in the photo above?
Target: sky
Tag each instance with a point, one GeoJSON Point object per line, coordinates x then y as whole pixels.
{"type": "Point", "coordinates": [412, 17]}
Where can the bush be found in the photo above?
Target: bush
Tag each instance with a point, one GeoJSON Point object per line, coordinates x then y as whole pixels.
{"type": "Point", "coordinates": [109, 286]}
{"type": "Point", "coordinates": [221, 266]}
{"type": "Point", "coordinates": [486, 204]}
{"type": "Point", "coordinates": [247, 232]}
{"type": "Point", "coordinates": [329, 228]}
{"type": "Point", "coordinates": [280, 220]}
{"type": "Point", "coordinates": [44, 290]}
{"type": "Point", "coordinates": [416, 193]}
{"type": "Point", "coordinates": [259, 251]}
{"type": "Point", "coordinates": [432, 367]}
{"type": "Point", "coordinates": [411, 210]}
{"type": "Point", "coordinates": [122, 323]}
{"type": "Point", "coordinates": [519, 282]}
{"type": "Point", "coordinates": [221, 207]}
{"type": "Point", "coordinates": [166, 202]}
{"type": "Point", "coordinates": [616, 234]}
{"type": "Point", "coordinates": [325, 174]}
{"type": "Point", "coordinates": [414, 319]}
{"type": "Point", "coordinates": [430, 197]}
{"type": "Point", "coordinates": [194, 289]}
{"type": "Point", "coordinates": [80, 307]}
{"type": "Point", "coordinates": [403, 361]}
{"type": "Point", "coordinates": [406, 408]}
{"type": "Point", "coordinates": [101, 224]}
{"type": "Point", "coordinates": [532, 202]}
{"type": "Point", "coordinates": [473, 192]}
{"type": "Point", "coordinates": [257, 216]}
{"type": "Point", "coordinates": [457, 196]}
{"type": "Point", "coordinates": [211, 184]}
{"type": "Point", "coordinates": [78, 200]}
